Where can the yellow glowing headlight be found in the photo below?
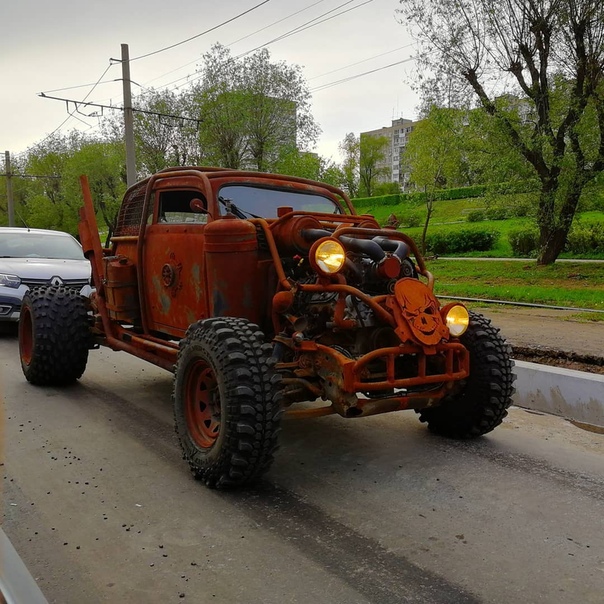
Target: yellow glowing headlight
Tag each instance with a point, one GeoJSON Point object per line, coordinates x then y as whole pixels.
{"type": "Point", "coordinates": [330, 256]}
{"type": "Point", "coordinates": [458, 320]}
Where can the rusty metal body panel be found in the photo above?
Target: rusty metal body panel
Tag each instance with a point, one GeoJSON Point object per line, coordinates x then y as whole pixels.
{"type": "Point", "coordinates": [193, 243]}
{"type": "Point", "coordinates": [235, 280]}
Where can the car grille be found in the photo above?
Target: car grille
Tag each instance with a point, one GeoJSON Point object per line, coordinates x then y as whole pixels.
{"type": "Point", "coordinates": [70, 283]}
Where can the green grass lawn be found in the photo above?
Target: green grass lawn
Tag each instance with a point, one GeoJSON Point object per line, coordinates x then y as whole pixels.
{"type": "Point", "coordinates": [444, 211]}
{"type": "Point", "coordinates": [577, 285]}
{"type": "Point", "coordinates": [452, 215]}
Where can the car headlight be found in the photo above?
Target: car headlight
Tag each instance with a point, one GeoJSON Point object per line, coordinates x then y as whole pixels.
{"type": "Point", "coordinates": [457, 319]}
{"type": "Point", "coordinates": [10, 280]}
{"type": "Point", "coordinates": [328, 256]}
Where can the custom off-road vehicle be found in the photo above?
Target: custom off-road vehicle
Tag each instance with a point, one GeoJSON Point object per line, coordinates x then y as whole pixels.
{"type": "Point", "coordinates": [267, 295]}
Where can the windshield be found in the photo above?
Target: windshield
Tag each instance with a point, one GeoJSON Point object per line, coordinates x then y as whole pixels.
{"type": "Point", "coordinates": [39, 245]}
{"type": "Point", "coordinates": [258, 202]}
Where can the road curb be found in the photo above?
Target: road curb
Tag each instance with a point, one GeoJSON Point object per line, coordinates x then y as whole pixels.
{"type": "Point", "coordinates": [575, 395]}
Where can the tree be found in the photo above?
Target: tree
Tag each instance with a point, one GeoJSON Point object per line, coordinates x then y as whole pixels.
{"type": "Point", "coordinates": [221, 109]}
{"type": "Point", "coordinates": [309, 165]}
{"type": "Point", "coordinates": [278, 114]}
{"type": "Point", "coordinates": [372, 152]}
{"type": "Point", "coordinates": [253, 111]}
{"type": "Point", "coordinates": [545, 60]}
{"type": "Point", "coordinates": [160, 140]}
{"type": "Point", "coordinates": [21, 188]}
{"type": "Point", "coordinates": [350, 148]}
{"type": "Point", "coordinates": [434, 156]}
{"type": "Point", "coordinates": [435, 152]}
{"type": "Point", "coordinates": [488, 156]}
{"type": "Point", "coordinates": [103, 164]}
{"type": "Point", "coordinates": [46, 204]}
{"type": "Point", "coordinates": [53, 197]}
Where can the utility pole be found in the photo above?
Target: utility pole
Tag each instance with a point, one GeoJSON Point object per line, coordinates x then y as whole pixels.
{"type": "Point", "coordinates": [131, 177]}
{"type": "Point", "coordinates": [9, 189]}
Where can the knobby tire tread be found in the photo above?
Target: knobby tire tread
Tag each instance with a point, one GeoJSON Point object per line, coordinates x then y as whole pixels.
{"type": "Point", "coordinates": [250, 401]}
{"type": "Point", "coordinates": [60, 335]}
{"type": "Point", "coordinates": [482, 403]}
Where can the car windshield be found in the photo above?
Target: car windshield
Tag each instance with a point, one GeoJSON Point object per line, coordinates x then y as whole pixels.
{"type": "Point", "coordinates": [250, 201]}
{"type": "Point", "coordinates": [30, 244]}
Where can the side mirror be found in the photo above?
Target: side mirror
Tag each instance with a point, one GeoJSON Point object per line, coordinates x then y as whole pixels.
{"type": "Point", "coordinates": [198, 206]}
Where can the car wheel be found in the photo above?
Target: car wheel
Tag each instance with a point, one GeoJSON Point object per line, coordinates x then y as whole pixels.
{"type": "Point", "coordinates": [54, 336]}
{"type": "Point", "coordinates": [482, 402]}
{"type": "Point", "coordinates": [226, 397]}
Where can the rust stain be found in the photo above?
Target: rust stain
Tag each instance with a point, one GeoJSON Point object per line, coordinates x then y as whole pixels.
{"type": "Point", "coordinates": [164, 299]}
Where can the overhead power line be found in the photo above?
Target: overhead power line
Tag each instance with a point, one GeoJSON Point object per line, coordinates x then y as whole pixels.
{"type": "Point", "coordinates": [80, 86]}
{"type": "Point", "coordinates": [312, 23]}
{"type": "Point", "coordinates": [203, 33]}
{"type": "Point", "coordinates": [388, 52]}
{"type": "Point", "coordinates": [91, 84]}
{"type": "Point", "coordinates": [300, 28]}
{"type": "Point", "coordinates": [359, 75]}
{"type": "Point", "coordinates": [230, 44]}
{"type": "Point", "coordinates": [276, 22]}
{"type": "Point", "coordinates": [113, 61]}
{"type": "Point", "coordinates": [77, 104]}
{"type": "Point", "coordinates": [71, 114]}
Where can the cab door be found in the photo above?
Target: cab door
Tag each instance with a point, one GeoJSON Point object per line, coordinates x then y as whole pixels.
{"type": "Point", "coordinates": [173, 260]}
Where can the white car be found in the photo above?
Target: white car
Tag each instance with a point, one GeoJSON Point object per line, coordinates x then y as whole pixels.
{"type": "Point", "coordinates": [33, 257]}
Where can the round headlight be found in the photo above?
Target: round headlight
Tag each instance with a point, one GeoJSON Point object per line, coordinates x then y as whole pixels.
{"type": "Point", "coordinates": [329, 256]}
{"type": "Point", "coordinates": [457, 319]}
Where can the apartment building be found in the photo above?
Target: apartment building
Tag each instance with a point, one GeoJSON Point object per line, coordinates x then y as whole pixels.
{"type": "Point", "coordinates": [398, 136]}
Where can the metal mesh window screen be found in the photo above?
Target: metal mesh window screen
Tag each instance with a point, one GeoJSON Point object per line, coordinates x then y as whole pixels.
{"type": "Point", "coordinates": [131, 212]}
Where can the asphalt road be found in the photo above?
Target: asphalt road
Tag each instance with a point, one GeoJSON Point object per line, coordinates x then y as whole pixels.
{"type": "Point", "coordinates": [101, 508]}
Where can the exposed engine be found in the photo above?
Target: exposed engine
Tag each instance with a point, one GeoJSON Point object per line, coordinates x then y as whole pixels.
{"type": "Point", "coordinates": [364, 270]}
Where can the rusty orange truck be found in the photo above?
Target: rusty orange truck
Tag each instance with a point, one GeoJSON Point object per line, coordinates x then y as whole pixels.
{"type": "Point", "coordinates": [267, 296]}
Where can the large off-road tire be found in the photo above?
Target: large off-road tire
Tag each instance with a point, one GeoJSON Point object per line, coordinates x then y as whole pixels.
{"type": "Point", "coordinates": [227, 406]}
{"type": "Point", "coordinates": [482, 403]}
{"type": "Point", "coordinates": [54, 336]}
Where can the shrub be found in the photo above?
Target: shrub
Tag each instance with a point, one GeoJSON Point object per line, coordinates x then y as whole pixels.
{"type": "Point", "coordinates": [476, 216]}
{"type": "Point", "coordinates": [497, 213]}
{"type": "Point", "coordinates": [461, 240]}
{"type": "Point", "coordinates": [509, 188]}
{"type": "Point", "coordinates": [387, 188]}
{"type": "Point", "coordinates": [524, 241]}
{"type": "Point", "coordinates": [592, 197]}
{"type": "Point", "coordinates": [521, 209]}
{"type": "Point", "coordinates": [417, 197]}
{"type": "Point", "coordinates": [586, 238]}
{"type": "Point", "coordinates": [461, 193]}
{"type": "Point", "coordinates": [592, 203]}
{"type": "Point", "coordinates": [411, 219]}
{"type": "Point", "coordinates": [382, 200]}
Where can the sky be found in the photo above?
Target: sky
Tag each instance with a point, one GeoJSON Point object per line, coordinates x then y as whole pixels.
{"type": "Point", "coordinates": [63, 48]}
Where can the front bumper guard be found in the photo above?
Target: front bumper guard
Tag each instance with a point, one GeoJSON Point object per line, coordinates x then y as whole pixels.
{"type": "Point", "coordinates": [344, 378]}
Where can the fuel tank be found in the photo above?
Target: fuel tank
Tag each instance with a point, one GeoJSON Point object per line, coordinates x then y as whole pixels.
{"type": "Point", "coordinates": [235, 286]}
{"type": "Point", "coordinates": [121, 289]}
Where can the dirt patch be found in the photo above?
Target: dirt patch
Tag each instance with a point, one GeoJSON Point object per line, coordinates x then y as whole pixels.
{"type": "Point", "coordinates": [559, 358]}
{"type": "Point", "coordinates": [551, 337]}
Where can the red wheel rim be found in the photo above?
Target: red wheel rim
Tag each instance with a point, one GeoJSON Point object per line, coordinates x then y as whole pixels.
{"type": "Point", "coordinates": [26, 341]}
{"type": "Point", "coordinates": [202, 404]}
